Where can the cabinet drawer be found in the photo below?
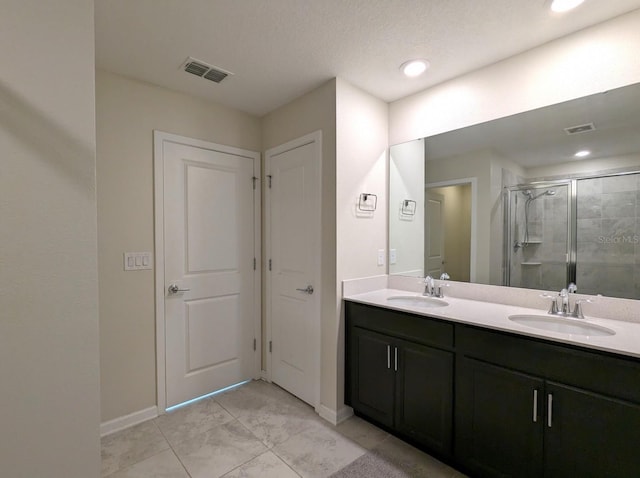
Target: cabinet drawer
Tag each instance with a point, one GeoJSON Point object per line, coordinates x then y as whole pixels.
{"type": "Point", "coordinates": [598, 372]}
{"type": "Point", "coordinates": [403, 325]}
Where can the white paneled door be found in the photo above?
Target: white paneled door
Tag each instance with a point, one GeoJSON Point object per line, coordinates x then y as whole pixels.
{"type": "Point", "coordinates": [209, 282]}
{"type": "Point", "coordinates": [434, 244]}
{"type": "Point", "coordinates": [293, 265]}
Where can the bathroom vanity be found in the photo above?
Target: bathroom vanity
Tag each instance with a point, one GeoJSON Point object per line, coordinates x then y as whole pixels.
{"type": "Point", "coordinates": [491, 396]}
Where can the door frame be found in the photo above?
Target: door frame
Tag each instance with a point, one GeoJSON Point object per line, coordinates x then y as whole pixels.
{"type": "Point", "coordinates": [315, 137]}
{"type": "Point", "coordinates": [159, 138]}
{"type": "Point", "coordinates": [474, 218]}
{"type": "Point", "coordinates": [431, 196]}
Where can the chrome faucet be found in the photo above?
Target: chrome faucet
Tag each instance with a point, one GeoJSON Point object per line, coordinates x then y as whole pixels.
{"type": "Point", "coordinates": [433, 290]}
{"type": "Point", "coordinates": [429, 286]}
{"type": "Point", "coordinates": [561, 304]}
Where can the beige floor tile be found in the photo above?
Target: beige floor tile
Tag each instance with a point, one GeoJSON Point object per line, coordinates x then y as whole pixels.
{"type": "Point", "coordinates": [130, 446]}
{"type": "Point", "coordinates": [163, 465]}
{"type": "Point", "coordinates": [218, 450]}
{"type": "Point", "coordinates": [269, 412]}
{"type": "Point", "coordinates": [192, 420]}
{"type": "Point", "coordinates": [266, 465]}
{"type": "Point", "coordinates": [362, 432]}
{"type": "Point", "coordinates": [318, 451]}
{"type": "Point", "coordinates": [209, 442]}
{"type": "Point", "coordinates": [243, 399]}
{"type": "Point", "coordinates": [257, 394]}
{"type": "Point", "coordinates": [276, 422]}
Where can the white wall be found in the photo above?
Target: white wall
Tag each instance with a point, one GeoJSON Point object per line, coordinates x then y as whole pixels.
{"type": "Point", "coordinates": [406, 232]}
{"type": "Point", "coordinates": [314, 111]}
{"type": "Point", "coordinates": [361, 166]}
{"type": "Point", "coordinates": [49, 404]}
{"type": "Point", "coordinates": [127, 113]}
{"type": "Point", "coordinates": [595, 59]}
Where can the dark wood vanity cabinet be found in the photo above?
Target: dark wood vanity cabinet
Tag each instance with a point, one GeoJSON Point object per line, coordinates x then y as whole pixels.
{"type": "Point", "coordinates": [522, 407]}
{"type": "Point", "coordinates": [372, 380]}
{"type": "Point", "coordinates": [529, 408]}
{"type": "Point", "coordinates": [496, 434]}
{"type": "Point", "coordinates": [398, 377]}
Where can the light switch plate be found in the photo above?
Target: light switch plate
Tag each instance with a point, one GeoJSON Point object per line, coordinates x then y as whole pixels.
{"type": "Point", "coordinates": [392, 256]}
{"type": "Point", "coordinates": [137, 261]}
{"type": "Point", "coordinates": [380, 257]}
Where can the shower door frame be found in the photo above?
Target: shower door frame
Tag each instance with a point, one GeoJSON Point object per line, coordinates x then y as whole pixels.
{"type": "Point", "coordinates": [572, 228]}
{"type": "Point", "coordinates": [572, 225]}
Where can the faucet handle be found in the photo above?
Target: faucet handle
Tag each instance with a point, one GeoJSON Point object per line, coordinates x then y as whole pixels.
{"type": "Point", "coordinates": [428, 286]}
{"type": "Point", "coordinates": [444, 276]}
{"type": "Point", "coordinates": [554, 303]}
{"type": "Point", "coordinates": [577, 309]}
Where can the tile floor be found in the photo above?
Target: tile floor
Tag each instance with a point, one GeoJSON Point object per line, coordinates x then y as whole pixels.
{"type": "Point", "coordinates": [259, 430]}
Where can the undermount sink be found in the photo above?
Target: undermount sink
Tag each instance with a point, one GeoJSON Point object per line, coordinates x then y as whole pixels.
{"type": "Point", "coordinates": [561, 325]}
{"type": "Point", "coordinates": [417, 301]}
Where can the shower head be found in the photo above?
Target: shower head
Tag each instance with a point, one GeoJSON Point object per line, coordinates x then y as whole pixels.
{"type": "Point", "coordinates": [531, 197]}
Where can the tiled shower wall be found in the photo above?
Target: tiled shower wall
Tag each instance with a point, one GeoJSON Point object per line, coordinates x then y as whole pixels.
{"type": "Point", "coordinates": [541, 262]}
{"type": "Point", "coordinates": [608, 238]}
{"type": "Point", "coordinates": [608, 246]}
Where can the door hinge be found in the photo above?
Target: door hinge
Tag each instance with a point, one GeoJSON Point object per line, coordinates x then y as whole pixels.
{"type": "Point", "coordinates": [269, 178]}
{"type": "Point", "coordinates": [270, 346]}
{"type": "Point", "coordinates": [254, 264]}
{"type": "Point", "coordinates": [254, 179]}
{"type": "Point", "coordinates": [269, 264]}
{"type": "Point", "coordinates": [254, 345]}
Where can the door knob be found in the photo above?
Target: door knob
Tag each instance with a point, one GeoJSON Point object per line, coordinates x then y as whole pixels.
{"type": "Point", "coordinates": [174, 289]}
{"type": "Point", "coordinates": [308, 290]}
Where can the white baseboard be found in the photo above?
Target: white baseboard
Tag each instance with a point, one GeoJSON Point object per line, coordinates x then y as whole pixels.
{"type": "Point", "coordinates": [120, 423]}
{"type": "Point", "coordinates": [343, 413]}
{"type": "Point", "coordinates": [332, 416]}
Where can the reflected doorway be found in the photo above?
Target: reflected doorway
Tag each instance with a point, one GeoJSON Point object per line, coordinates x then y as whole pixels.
{"type": "Point", "coordinates": [448, 232]}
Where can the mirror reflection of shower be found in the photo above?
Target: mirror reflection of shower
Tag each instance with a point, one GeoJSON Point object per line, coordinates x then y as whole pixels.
{"type": "Point", "coordinates": [537, 238]}
{"type": "Point", "coordinates": [530, 198]}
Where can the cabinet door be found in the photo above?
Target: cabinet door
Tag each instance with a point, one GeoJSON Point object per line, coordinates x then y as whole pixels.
{"type": "Point", "coordinates": [372, 375]}
{"type": "Point", "coordinates": [499, 425]}
{"type": "Point", "coordinates": [424, 395]}
{"type": "Point", "coordinates": [590, 435]}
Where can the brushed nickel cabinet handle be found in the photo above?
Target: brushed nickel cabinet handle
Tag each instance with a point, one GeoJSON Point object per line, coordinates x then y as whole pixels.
{"type": "Point", "coordinates": [388, 356]}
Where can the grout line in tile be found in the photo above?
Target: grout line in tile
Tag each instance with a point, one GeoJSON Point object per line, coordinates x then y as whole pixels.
{"type": "Point", "coordinates": [268, 451]}
{"type": "Point", "coordinates": [173, 451]}
{"type": "Point", "coordinates": [285, 462]}
{"type": "Point", "coordinates": [152, 420]}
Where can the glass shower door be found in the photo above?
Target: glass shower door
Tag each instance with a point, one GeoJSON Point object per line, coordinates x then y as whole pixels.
{"type": "Point", "coordinates": [537, 248]}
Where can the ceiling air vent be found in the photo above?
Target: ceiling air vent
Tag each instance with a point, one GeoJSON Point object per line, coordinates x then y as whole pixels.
{"type": "Point", "coordinates": [201, 69]}
{"type": "Point", "coordinates": [581, 128]}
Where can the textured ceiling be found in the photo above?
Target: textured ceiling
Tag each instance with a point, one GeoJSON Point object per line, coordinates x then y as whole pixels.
{"type": "Point", "coordinates": [537, 137]}
{"type": "Point", "coordinates": [280, 49]}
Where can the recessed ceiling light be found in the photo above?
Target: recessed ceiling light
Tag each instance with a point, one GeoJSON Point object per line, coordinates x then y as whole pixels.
{"type": "Point", "coordinates": [582, 154]}
{"type": "Point", "coordinates": [414, 68]}
{"type": "Point", "coordinates": [564, 5]}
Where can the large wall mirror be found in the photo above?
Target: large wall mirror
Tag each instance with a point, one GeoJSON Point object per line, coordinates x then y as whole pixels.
{"type": "Point", "coordinates": [534, 200]}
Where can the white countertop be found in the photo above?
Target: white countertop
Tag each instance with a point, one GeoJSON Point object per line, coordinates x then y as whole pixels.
{"type": "Point", "coordinates": [626, 341]}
